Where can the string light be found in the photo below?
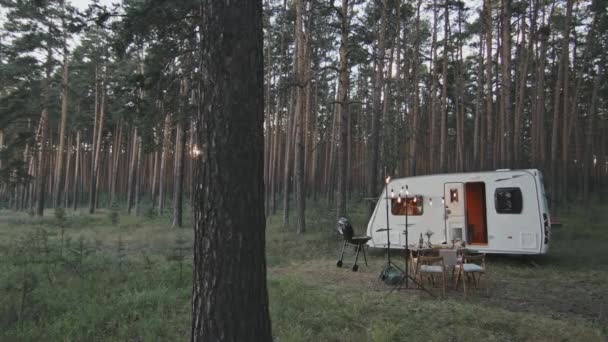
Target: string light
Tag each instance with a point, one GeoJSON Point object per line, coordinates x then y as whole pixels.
{"type": "Point", "coordinates": [431, 201]}
{"type": "Point", "coordinates": [442, 200]}
{"type": "Point", "coordinates": [392, 194]}
{"type": "Point", "coordinates": [388, 179]}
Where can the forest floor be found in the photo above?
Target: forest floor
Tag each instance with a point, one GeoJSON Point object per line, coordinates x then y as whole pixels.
{"type": "Point", "coordinates": [85, 278]}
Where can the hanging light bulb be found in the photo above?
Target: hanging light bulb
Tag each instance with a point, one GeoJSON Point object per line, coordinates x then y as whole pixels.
{"type": "Point", "coordinates": [442, 200]}
{"type": "Point", "coordinates": [392, 194]}
{"type": "Point", "coordinates": [407, 192]}
{"type": "Point", "coordinates": [388, 179]}
{"type": "Point", "coordinates": [431, 201]}
{"type": "Point", "coordinates": [414, 200]}
{"type": "Point", "coordinates": [399, 198]}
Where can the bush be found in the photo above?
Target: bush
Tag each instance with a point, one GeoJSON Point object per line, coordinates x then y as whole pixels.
{"type": "Point", "coordinates": [113, 214]}
{"type": "Point", "coordinates": [60, 216]}
{"type": "Point", "coordinates": [150, 213]}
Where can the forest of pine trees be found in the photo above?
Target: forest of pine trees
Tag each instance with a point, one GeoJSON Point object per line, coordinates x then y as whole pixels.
{"type": "Point", "coordinates": [101, 107]}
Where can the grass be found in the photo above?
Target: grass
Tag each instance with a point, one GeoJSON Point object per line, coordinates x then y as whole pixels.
{"type": "Point", "coordinates": [85, 278]}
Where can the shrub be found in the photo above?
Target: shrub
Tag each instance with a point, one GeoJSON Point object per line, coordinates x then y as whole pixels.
{"type": "Point", "coordinates": [113, 214]}
{"type": "Point", "coordinates": [60, 216]}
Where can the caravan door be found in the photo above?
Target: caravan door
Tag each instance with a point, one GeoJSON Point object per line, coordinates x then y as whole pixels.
{"type": "Point", "coordinates": [454, 203]}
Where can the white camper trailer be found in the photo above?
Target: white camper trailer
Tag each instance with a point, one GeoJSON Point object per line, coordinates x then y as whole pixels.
{"type": "Point", "coordinates": [503, 211]}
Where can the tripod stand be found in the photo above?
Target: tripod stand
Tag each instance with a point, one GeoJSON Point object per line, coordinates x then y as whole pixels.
{"type": "Point", "coordinates": [389, 265]}
{"type": "Point", "coordinates": [405, 276]}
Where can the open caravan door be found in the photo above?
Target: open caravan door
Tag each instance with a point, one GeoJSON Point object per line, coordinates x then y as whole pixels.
{"type": "Point", "coordinates": [454, 203]}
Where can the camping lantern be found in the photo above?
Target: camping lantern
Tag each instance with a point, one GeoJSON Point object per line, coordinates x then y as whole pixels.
{"type": "Point", "coordinates": [453, 195]}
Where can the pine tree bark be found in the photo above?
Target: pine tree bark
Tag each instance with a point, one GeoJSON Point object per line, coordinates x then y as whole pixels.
{"type": "Point", "coordinates": [460, 93]}
{"type": "Point", "coordinates": [539, 145]}
{"type": "Point", "coordinates": [588, 162]}
{"type": "Point", "coordinates": [559, 84]}
{"type": "Point", "coordinates": [278, 114]}
{"type": "Point", "coordinates": [522, 81]}
{"type": "Point", "coordinates": [268, 121]}
{"type": "Point", "coordinates": [444, 91]}
{"type": "Point", "coordinates": [43, 136]}
{"type": "Point", "coordinates": [163, 164]}
{"type": "Point", "coordinates": [76, 185]}
{"type": "Point", "coordinates": [154, 180]}
{"type": "Point", "coordinates": [117, 151]}
{"type": "Point", "coordinates": [505, 95]}
{"type": "Point", "coordinates": [1, 145]}
{"type": "Point", "coordinates": [132, 176]}
{"type": "Point", "coordinates": [97, 147]}
{"type": "Point", "coordinates": [229, 296]}
{"type": "Point", "coordinates": [180, 152]}
{"type": "Point", "coordinates": [566, 113]}
{"type": "Point", "coordinates": [343, 108]}
{"type": "Point", "coordinates": [68, 169]}
{"type": "Point", "coordinates": [433, 93]}
{"type": "Point", "coordinates": [416, 95]}
{"type": "Point", "coordinates": [374, 152]}
{"type": "Point", "coordinates": [138, 177]}
{"type": "Point", "coordinates": [300, 179]}
{"type": "Point", "coordinates": [64, 115]}
{"type": "Point", "coordinates": [478, 135]}
{"type": "Point", "coordinates": [489, 157]}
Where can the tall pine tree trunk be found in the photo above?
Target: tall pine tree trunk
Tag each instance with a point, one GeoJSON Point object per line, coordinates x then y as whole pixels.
{"type": "Point", "coordinates": [444, 91]}
{"type": "Point", "coordinates": [489, 157]}
{"type": "Point", "coordinates": [64, 115]}
{"type": "Point", "coordinates": [180, 152]}
{"type": "Point", "coordinates": [562, 68]}
{"type": "Point", "coordinates": [163, 164]}
{"type": "Point", "coordinates": [229, 296]}
{"type": "Point", "coordinates": [117, 151]}
{"type": "Point", "coordinates": [300, 179]}
{"type": "Point", "coordinates": [138, 178]}
{"type": "Point", "coordinates": [76, 185]}
{"type": "Point", "coordinates": [433, 93]}
{"type": "Point", "coordinates": [132, 175]}
{"type": "Point", "coordinates": [374, 152]}
{"type": "Point", "coordinates": [505, 95]}
{"type": "Point", "coordinates": [343, 109]}
{"type": "Point", "coordinates": [43, 136]}
{"type": "Point", "coordinates": [68, 168]}
{"type": "Point", "coordinates": [478, 135]}
{"type": "Point", "coordinates": [416, 95]}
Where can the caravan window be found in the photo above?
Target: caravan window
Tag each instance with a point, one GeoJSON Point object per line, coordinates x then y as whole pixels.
{"type": "Point", "coordinates": [413, 207]}
{"type": "Point", "coordinates": [508, 201]}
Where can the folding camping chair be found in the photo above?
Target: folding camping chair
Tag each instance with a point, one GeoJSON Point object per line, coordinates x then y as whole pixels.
{"type": "Point", "coordinates": [345, 229]}
{"type": "Point", "coordinates": [475, 266]}
{"type": "Point", "coordinates": [431, 266]}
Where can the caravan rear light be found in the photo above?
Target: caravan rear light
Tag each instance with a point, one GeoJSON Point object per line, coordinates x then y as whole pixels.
{"type": "Point", "coordinates": [546, 227]}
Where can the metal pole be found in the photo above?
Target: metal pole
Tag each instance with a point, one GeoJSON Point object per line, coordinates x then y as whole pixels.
{"type": "Point", "coordinates": [388, 236]}
{"type": "Point", "coordinates": [407, 247]}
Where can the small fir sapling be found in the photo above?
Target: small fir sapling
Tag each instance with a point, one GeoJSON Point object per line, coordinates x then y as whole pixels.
{"type": "Point", "coordinates": [113, 214]}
